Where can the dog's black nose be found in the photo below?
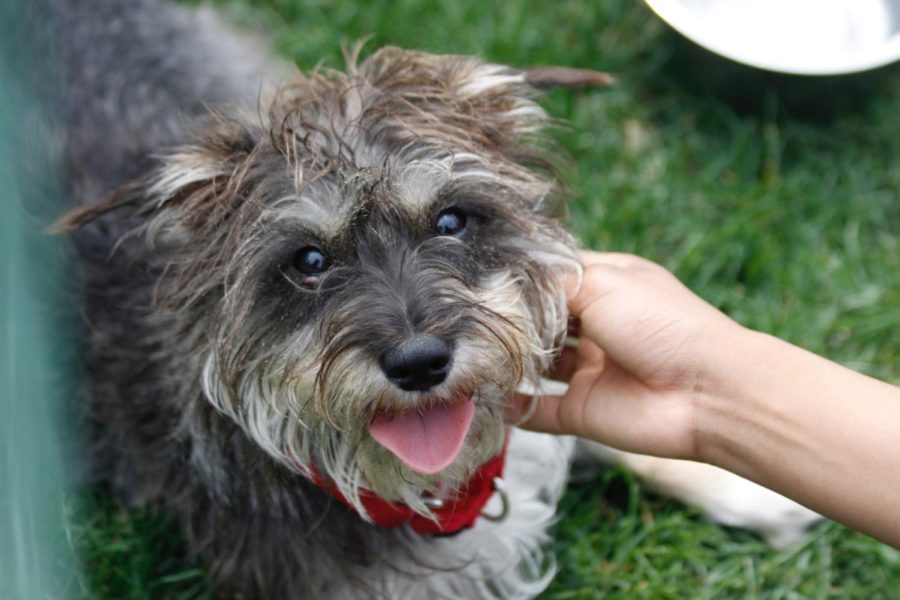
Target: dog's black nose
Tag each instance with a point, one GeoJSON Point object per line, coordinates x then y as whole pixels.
{"type": "Point", "coordinates": [419, 363]}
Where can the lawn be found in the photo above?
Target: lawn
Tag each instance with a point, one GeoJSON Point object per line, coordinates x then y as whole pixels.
{"type": "Point", "coordinates": [775, 198]}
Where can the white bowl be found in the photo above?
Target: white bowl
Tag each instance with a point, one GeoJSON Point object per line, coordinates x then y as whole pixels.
{"type": "Point", "coordinates": [805, 37]}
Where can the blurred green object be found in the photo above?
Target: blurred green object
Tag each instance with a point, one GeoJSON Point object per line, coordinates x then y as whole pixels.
{"type": "Point", "coordinates": [35, 330]}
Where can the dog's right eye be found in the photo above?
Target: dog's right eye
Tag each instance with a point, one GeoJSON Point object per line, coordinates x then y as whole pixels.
{"type": "Point", "coordinates": [310, 262]}
{"type": "Point", "coordinates": [450, 222]}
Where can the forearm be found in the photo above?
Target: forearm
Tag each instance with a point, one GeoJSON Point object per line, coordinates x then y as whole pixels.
{"type": "Point", "coordinates": [814, 431]}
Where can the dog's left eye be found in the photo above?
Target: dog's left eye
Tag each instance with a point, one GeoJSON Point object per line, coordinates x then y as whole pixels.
{"type": "Point", "coordinates": [451, 221]}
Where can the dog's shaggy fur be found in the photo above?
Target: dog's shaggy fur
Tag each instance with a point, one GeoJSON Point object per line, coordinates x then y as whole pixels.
{"type": "Point", "coordinates": [254, 241]}
{"type": "Point", "coordinates": [221, 373]}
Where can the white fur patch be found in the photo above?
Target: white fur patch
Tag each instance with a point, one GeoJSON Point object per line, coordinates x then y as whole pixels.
{"type": "Point", "coordinates": [180, 170]}
{"type": "Point", "coordinates": [486, 77]}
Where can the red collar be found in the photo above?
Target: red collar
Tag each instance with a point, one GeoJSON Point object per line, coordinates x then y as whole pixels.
{"type": "Point", "coordinates": [457, 513]}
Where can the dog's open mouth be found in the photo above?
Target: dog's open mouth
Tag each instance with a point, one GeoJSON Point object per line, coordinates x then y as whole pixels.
{"type": "Point", "coordinates": [426, 440]}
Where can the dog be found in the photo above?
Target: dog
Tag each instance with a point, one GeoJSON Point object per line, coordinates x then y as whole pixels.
{"type": "Point", "coordinates": [309, 300]}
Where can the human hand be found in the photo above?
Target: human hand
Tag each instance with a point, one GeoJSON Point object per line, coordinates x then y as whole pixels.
{"type": "Point", "coordinates": [647, 351]}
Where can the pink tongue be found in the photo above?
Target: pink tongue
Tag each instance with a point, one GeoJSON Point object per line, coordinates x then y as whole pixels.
{"type": "Point", "coordinates": [426, 441]}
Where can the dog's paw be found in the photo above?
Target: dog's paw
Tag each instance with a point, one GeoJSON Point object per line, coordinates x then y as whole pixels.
{"type": "Point", "coordinates": [722, 496]}
{"type": "Point", "coordinates": [737, 502]}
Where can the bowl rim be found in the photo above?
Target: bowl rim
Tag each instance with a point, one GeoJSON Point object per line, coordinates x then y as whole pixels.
{"type": "Point", "coordinates": [684, 20]}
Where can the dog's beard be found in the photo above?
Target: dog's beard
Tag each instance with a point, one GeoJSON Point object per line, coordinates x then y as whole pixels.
{"type": "Point", "coordinates": [315, 419]}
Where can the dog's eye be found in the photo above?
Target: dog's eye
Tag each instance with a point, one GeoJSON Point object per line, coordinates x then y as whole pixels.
{"type": "Point", "coordinates": [310, 262]}
{"type": "Point", "coordinates": [451, 221]}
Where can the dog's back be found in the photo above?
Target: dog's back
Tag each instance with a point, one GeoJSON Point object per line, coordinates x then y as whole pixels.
{"type": "Point", "coordinates": [136, 71]}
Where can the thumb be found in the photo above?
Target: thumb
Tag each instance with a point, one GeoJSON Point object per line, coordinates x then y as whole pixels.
{"type": "Point", "coordinates": [602, 404]}
{"type": "Point", "coordinates": [573, 413]}
{"type": "Point", "coordinates": [540, 413]}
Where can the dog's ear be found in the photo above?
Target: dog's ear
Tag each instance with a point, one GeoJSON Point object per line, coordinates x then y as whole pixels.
{"type": "Point", "coordinates": [196, 178]}
{"type": "Point", "coordinates": [565, 77]}
{"type": "Point", "coordinates": [126, 196]}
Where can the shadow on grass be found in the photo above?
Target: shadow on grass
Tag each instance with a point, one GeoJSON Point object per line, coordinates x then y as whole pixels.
{"type": "Point", "coordinates": [756, 93]}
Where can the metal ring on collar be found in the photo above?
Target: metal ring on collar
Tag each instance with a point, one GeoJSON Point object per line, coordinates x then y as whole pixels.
{"type": "Point", "coordinates": [500, 487]}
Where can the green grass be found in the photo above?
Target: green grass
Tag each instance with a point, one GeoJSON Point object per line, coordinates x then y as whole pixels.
{"type": "Point", "coordinates": [776, 198]}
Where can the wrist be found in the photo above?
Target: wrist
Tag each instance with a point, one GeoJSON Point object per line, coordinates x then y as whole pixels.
{"type": "Point", "coordinates": [805, 427]}
{"type": "Point", "coordinates": [733, 377]}
{"type": "Point", "coordinates": [760, 394]}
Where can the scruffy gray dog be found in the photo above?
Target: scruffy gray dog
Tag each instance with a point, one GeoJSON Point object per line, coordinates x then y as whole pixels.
{"type": "Point", "coordinates": [304, 294]}
{"type": "Point", "coordinates": [309, 299]}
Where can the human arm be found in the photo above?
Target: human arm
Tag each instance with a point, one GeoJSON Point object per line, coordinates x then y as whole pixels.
{"type": "Point", "coordinates": [677, 378]}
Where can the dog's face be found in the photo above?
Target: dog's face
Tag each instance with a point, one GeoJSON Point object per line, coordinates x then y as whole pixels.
{"type": "Point", "coordinates": [368, 272]}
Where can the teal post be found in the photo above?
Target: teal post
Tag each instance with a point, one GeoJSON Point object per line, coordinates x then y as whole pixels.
{"type": "Point", "coordinates": [36, 324]}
